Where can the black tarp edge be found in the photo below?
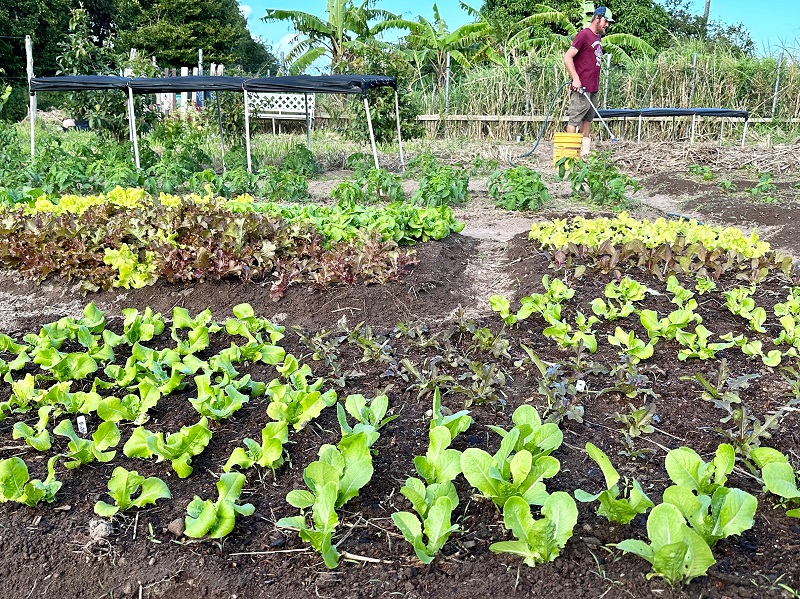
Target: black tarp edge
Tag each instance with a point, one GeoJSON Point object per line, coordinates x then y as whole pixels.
{"type": "Point", "coordinates": [325, 84]}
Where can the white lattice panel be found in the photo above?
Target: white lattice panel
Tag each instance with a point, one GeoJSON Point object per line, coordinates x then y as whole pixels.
{"type": "Point", "coordinates": [281, 105]}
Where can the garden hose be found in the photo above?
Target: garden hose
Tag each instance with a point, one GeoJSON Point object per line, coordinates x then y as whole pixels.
{"type": "Point", "coordinates": [547, 118]}
{"type": "Point", "coordinates": [544, 124]}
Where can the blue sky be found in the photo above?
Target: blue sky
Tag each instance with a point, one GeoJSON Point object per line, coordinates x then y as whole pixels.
{"type": "Point", "coordinates": [772, 23]}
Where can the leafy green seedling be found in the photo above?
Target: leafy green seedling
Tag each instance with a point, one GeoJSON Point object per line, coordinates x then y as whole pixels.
{"type": "Point", "coordinates": [332, 480]}
{"type": "Point", "coordinates": [687, 469]}
{"type": "Point", "coordinates": [206, 518]}
{"type": "Point", "coordinates": [538, 541]}
{"type": "Point", "coordinates": [677, 553]}
{"type": "Point", "coordinates": [84, 451]}
{"type": "Point", "coordinates": [705, 285]}
{"type": "Point", "coordinates": [456, 422]}
{"type": "Point", "coordinates": [779, 477]}
{"type": "Point", "coordinates": [667, 327]}
{"type": "Point", "coordinates": [617, 509]}
{"type": "Point", "coordinates": [38, 438]}
{"type": "Point", "coordinates": [434, 504]}
{"type": "Point", "coordinates": [696, 344]}
{"type": "Point", "coordinates": [15, 483]}
{"type": "Point", "coordinates": [369, 414]}
{"type": "Point", "coordinates": [297, 402]}
{"type": "Point", "coordinates": [141, 327]}
{"type": "Point", "coordinates": [267, 455]}
{"type": "Point", "coordinates": [631, 346]}
{"type": "Point", "coordinates": [324, 519]}
{"type": "Point", "coordinates": [199, 327]}
{"type": "Point", "coordinates": [726, 513]}
{"type": "Point", "coordinates": [501, 476]}
{"type": "Point", "coordinates": [537, 438]}
{"type": "Point", "coordinates": [122, 487]}
{"type": "Point", "coordinates": [439, 464]}
{"type": "Point", "coordinates": [682, 297]}
{"type": "Point", "coordinates": [179, 448]}
{"type": "Point", "coordinates": [217, 401]}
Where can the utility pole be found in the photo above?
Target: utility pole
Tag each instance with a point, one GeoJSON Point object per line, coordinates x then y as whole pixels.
{"type": "Point", "coordinates": [705, 18]}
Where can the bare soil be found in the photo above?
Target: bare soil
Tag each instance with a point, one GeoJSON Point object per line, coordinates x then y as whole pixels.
{"type": "Point", "coordinates": [55, 551]}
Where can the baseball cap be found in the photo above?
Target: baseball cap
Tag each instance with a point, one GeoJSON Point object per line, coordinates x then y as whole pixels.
{"type": "Point", "coordinates": [604, 12]}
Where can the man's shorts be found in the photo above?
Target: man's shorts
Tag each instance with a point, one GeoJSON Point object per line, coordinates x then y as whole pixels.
{"type": "Point", "coordinates": [579, 107]}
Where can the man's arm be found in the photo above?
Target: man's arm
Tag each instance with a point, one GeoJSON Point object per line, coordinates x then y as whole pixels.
{"type": "Point", "coordinates": [569, 63]}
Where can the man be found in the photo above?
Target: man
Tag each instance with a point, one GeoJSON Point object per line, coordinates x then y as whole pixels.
{"type": "Point", "coordinates": [583, 60]}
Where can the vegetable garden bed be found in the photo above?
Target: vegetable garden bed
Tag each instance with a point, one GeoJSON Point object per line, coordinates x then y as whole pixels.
{"type": "Point", "coordinates": [404, 339]}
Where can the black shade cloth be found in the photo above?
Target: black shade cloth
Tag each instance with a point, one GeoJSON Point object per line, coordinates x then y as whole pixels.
{"type": "Point", "coordinates": [648, 112]}
{"type": "Point", "coordinates": [69, 83]}
{"type": "Point", "coordinates": [155, 85]}
{"type": "Point", "coordinates": [320, 84]}
{"type": "Point", "coordinates": [312, 84]}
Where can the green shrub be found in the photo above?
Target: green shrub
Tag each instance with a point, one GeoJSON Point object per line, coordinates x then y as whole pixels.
{"type": "Point", "coordinates": [518, 188]}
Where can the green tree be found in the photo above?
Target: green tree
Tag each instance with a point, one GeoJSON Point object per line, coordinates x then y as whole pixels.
{"type": "Point", "coordinates": [345, 28]}
{"type": "Point", "coordinates": [429, 43]}
{"type": "Point", "coordinates": [45, 22]}
{"type": "Point", "coordinates": [174, 30]}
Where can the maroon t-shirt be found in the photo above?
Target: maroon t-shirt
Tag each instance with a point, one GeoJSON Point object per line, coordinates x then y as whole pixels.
{"type": "Point", "coordinates": [588, 59]}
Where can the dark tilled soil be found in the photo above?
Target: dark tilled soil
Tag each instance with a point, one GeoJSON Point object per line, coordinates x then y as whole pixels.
{"type": "Point", "coordinates": [49, 551]}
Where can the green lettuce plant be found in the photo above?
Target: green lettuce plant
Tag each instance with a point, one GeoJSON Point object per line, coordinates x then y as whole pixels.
{"type": "Point", "coordinates": [779, 477]}
{"type": "Point", "coordinates": [267, 455]}
{"type": "Point", "coordinates": [540, 439]}
{"type": "Point", "coordinates": [538, 541]}
{"type": "Point", "coordinates": [39, 437]}
{"type": "Point", "coordinates": [696, 345]}
{"type": "Point", "coordinates": [16, 484]}
{"type": "Point", "coordinates": [179, 448]}
{"type": "Point", "coordinates": [122, 487]}
{"type": "Point", "coordinates": [83, 451]}
{"type": "Point", "coordinates": [667, 328]}
{"type": "Point", "coordinates": [677, 553]}
{"type": "Point", "coordinates": [216, 519]}
{"type": "Point", "coordinates": [502, 476]}
{"type": "Point", "coordinates": [727, 512]}
{"type": "Point", "coordinates": [332, 480]}
{"type": "Point", "coordinates": [687, 469]}
{"type": "Point", "coordinates": [617, 505]}
{"type": "Point", "coordinates": [630, 346]}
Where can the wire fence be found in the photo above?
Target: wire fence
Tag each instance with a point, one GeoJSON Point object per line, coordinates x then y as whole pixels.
{"type": "Point", "coordinates": [767, 87]}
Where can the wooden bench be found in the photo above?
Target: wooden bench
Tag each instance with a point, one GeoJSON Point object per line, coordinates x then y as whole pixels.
{"type": "Point", "coordinates": [282, 107]}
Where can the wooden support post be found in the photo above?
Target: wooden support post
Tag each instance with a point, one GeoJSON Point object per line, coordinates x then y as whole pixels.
{"type": "Point", "coordinates": [134, 138]}
{"type": "Point", "coordinates": [247, 131]}
{"type": "Point", "coordinates": [308, 121]}
{"type": "Point", "coordinates": [32, 107]}
{"type": "Point", "coordinates": [371, 133]}
{"type": "Point", "coordinates": [399, 137]}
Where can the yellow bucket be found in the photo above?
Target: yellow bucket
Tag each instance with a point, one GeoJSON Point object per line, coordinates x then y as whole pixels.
{"type": "Point", "coordinates": [566, 144]}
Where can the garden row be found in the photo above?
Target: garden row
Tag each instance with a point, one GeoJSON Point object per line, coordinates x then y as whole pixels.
{"type": "Point", "coordinates": [130, 239]}
{"type": "Point", "coordinates": [125, 371]}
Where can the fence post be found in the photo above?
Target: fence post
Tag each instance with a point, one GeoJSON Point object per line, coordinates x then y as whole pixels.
{"type": "Point", "coordinates": [32, 108]}
{"type": "Point", "coordinates": [184, 94]}
{"type": "Point", "coordinates": [605, 87]}
{"type": "Point", "coordinates": [777, 85]}
{"type": "Point", "coordinates": [447, 85]}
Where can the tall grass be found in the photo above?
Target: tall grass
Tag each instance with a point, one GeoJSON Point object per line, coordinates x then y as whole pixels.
{"type": "Point", "coordinates": [684, 76]}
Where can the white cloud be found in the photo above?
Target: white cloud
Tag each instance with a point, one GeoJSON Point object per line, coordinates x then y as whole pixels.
{"type": "Point", "coordinates": [246, 10]}
{"type": "Point", "coordinates": [285, 44]}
